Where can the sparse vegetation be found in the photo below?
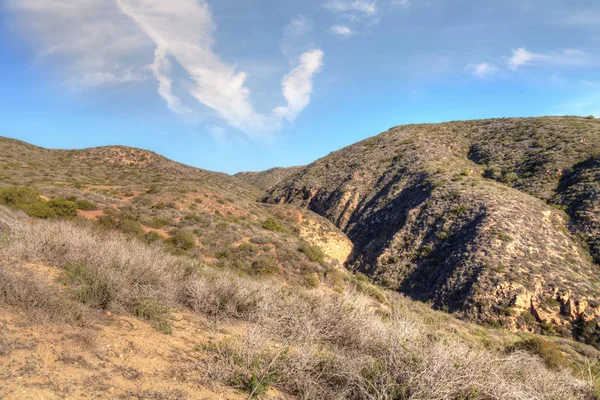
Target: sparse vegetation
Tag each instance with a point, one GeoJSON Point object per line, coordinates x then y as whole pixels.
{"type": "Point", "coordinates": [326, 343]}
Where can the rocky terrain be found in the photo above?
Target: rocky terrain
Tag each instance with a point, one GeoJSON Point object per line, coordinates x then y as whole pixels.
{"type": "Point", "coordinates": [496, 220]}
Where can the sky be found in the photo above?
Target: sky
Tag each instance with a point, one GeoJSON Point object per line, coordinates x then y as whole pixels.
{"type": "Point", "coordinates": [246, 85]}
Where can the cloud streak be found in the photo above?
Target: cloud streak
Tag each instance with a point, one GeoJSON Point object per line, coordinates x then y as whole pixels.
{"type": "Point", "coordinates": [522, 57]}
{"type": "Point", "coordinates": [341, 30]}
{"type": "Point", "coordinates": [482, 70]}
{"type": "Point", "coordinates": [112, 41]}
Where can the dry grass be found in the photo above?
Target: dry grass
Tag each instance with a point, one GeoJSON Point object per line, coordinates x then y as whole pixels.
{"type": "Point", "coordinates": [307, 344]}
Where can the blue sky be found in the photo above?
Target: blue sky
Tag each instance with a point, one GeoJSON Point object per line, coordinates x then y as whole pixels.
{"type": "Point", "coordinates": [233, 85]}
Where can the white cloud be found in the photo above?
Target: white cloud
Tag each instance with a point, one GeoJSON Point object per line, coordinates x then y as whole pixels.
{"type": "Point", "coordinates": [89, 37]}
{"type": "Point", "coordinates": [352, 8]}
{"type": "Point", "coordinates": [298, 26]}
{"type": "Point", "coordinates": [104, 78]}
{"type": "Point", "coordinates": [341, 30]}
{"type": "Point", "coordinates": [161, 69]}
{"type": "Point", "coordinates": [114, 41]}
{"type": "Point", "coordinates": [564, 57]}
{"type": "Point", "coordinates": [482, 70]}
{"type": "Point", "coordinates": [298, 85]}
{"type": "Point", "coordinates": [400, 3]}
{"type": "Point", "coordinates": [521, 57]}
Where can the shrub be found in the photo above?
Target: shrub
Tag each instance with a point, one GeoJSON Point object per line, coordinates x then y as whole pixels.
{"type": "Point", "coordinates": [63, 207]}
{"type": "Point", "coordinates": [265, 265]}
{"type": "Point", "coordinates": [131, 227]}
{"type": "Point", "coordinates": [182, 239]}
{"type": "Point", "coordinates": [192, 217]}
{"type": "Point", "coordinates": [107, 221]}
{"type": "Point", "coordinates": [39, 210]}
{"type": "Point", "coordinates": [510, 177]}
{"type": "Point", "coordinates": [271, 224]}
{"type": "Point", "coordinates": [156, 222]}
{"type": "Point", "coordinates": [27, 200]}
{"type": "Point", "coordinates": [313, 252]}
{"type": "Point", "coordinates": [151, 237]}
{"type": "Point", "coordinates": [86, 205]}
{"type": "Point", "coordinates": [546, 350]}
{"type": "Point", "coordinates": [17, 196]}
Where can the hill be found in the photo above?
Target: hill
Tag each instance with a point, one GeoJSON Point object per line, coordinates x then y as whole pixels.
{"type": "Point", "coordinates": [265, 180]}
{"type": "Point", "coordinates": [495, 220]}
{"type": "Point", "coordinates": [127, 275]}
{"type": "Point", "coordinates": [211, 216]}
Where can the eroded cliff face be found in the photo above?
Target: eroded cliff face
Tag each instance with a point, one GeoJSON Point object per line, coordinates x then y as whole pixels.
{"type": "Point", "coordinates": [468, 217]}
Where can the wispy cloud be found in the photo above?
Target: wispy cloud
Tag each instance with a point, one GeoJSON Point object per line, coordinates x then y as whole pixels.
{"type": "Point", "coordinates": [341, 30]}
{"type": "Point", "coordinates": [482, 70]}
{"type": "Point", "coordinates": [111, 41]}
{"type": "Point", "coordinates": [352, 8]}
{"type": "Point", "coordinates": [565, 57]}
{"type": "Point", "coordinates": [161, 69]}
{"type": "Point", "coordinates": [298, 85]}
{"type": "Point", "coordinates": [297, 37]}
{"type": "Point", "coordinates": [298, 26]}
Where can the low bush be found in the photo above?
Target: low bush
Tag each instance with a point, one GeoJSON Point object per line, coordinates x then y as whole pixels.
{"type": "Point", "coordinates": [182, 239]}
{"type": "Point", "coordinates": [546, 350]}
{"type": "Point", "coordinates": [63, 208]}
{"type": "Point", "coordinates": [130, 227]}
{"type": "Point", "coordinates": [86, 205]}
{"type": "Point", "coordinates": [313, 252]}
{"type": "Point", "coordinates": [271, 224]}
{"type": "Point", "coordinates": [27, 200]}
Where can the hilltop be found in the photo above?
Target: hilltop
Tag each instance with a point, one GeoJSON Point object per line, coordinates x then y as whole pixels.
{"type": "Point", "coordinates": [495, 220]}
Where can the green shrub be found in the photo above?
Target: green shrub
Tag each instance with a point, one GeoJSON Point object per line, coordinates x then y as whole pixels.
{"type": "Point", "coordinates": [151, 237]}
{"type": "Point", "coordinates": [38, 210]}
{"type": "Point", "coordinates": [156, 222]}
{"type": "Point", "coordinates": [192, 217]}
{"type": "Point", "coordinates": [182, 239]}
{"type": "Point", "coordinates": [313, 252]}
{"type": "Point", "coordinates": [17, 196]}
{"type": "Point", "coordinates": [130, 226]}
{"type": "Point", "coordinates": [27, 200]}
{"type": "Point", "coordinates": [108, 221]}
{"type": "Point", "coordinates": [549, 352]}
{"type": "Point", "coordinates": [510, 177]}
{"type": "Point", "coordinates": [265, 265]}
{"type": "Point", "coordinates": [63, 207]}
{"type": "Point", "coordinates": [271, 224]}
{"type": "Point", "coordinates": [86, 205]}
{"type": "Point", "coordinates": [528, 317]}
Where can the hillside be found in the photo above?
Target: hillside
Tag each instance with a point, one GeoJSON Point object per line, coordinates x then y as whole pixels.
{"type": "Point", "coordinates": [495, 220]}
{"type": "Point", "coordinates": [210, 216]}
{"type": "Point", "coordinates": [265, 180]}
{"type": "Point", "coordinates": [127, 275]}
{"type": "Point", "coordinates": [88, 313]}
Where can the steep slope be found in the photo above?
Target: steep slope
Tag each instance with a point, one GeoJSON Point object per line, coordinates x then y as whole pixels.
{"type": "Point", "coordinates": [425, 220]}
{"type": "Point", "coordinates": [210, 216]}
{"type": "Point", "coordinates": [265, 180]}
